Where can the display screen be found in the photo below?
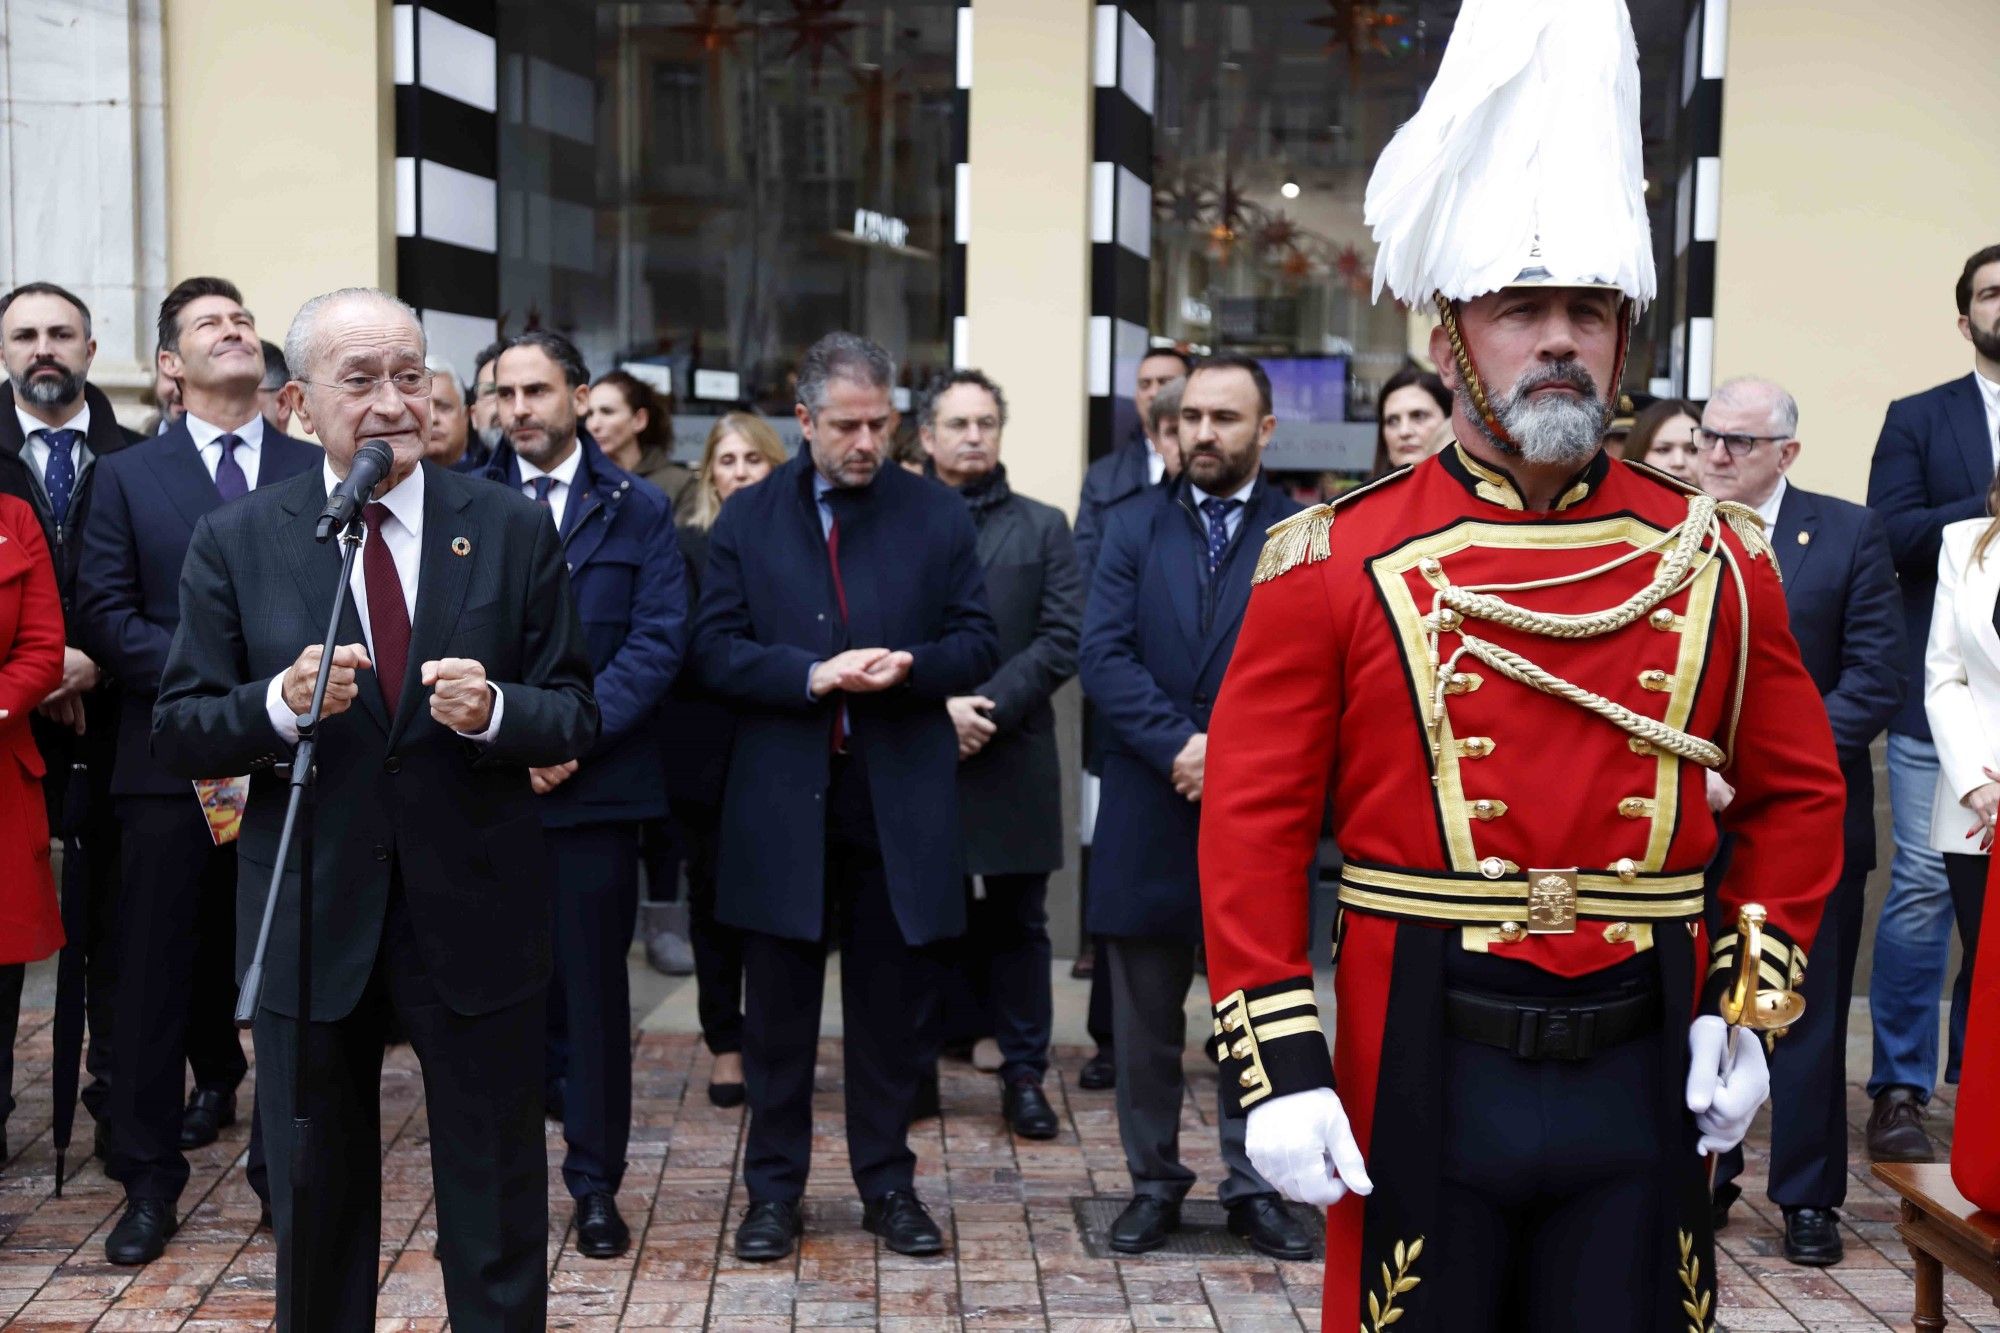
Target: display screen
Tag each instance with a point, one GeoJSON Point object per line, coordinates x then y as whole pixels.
{"type": "Point", "coordinates": [1308, 388]}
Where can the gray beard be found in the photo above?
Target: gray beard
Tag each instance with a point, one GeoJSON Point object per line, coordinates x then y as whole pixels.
{"type": "Point", "coordinates": [1548, 431]}
{"type": "Point", "coordinates": [58, 392]}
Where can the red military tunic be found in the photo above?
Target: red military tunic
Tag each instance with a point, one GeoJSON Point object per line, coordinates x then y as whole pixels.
{"type": "Point", "coordinates": [1470, 807]}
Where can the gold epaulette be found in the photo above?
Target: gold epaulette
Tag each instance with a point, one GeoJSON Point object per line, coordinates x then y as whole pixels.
{"type": "Point", "coordinates": [1748, 525]}
{"type": "Point", "coordinates": [1306, 538]}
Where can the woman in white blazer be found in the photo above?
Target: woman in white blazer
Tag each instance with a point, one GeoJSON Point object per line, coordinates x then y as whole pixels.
{"type": "Point", "coordinates": [1962, 700]}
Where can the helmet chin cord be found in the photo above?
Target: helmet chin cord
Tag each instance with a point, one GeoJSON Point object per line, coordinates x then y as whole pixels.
{"type": "Point", "coordinates": [1475, 386]}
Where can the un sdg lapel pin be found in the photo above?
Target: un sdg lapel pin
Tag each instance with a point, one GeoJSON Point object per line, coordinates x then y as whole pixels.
{"type": "Point", "coordinates": [460, 546]}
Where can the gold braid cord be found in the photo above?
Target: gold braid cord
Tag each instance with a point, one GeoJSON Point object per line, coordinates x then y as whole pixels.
{"type": "Point", "coordinates": [1748, 525]}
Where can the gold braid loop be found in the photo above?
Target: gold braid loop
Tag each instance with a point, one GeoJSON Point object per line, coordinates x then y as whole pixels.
{"type": "Point", "coordinates": [1748, 525]}
{"type": "Point", "coordinates": [1523, 672]}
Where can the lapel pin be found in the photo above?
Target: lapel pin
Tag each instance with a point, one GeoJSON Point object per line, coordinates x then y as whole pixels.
{"type": "Point", "coordinates": [460, 546]}
{"type": "Point", "coordinates": [1805, 539]}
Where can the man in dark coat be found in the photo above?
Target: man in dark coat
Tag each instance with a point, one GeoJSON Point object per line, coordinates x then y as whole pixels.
{"type": "Point", "coordinates": [843, 605]}
{"type": "Point", "coordinates": [625, 575]}
{"type": "Point", "coordinates": [1166, 601]}
{"type": "Point", "coordinates": [54, 427]}
{"type": "Point", "coordinates": [1009, 777]}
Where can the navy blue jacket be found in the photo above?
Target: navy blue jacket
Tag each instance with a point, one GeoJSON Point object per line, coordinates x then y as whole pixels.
{"type": "Point", "coordinates": [631, 594]}
{"type": "Point", "coordinates": [135, 539]}
{"type": "Point", "coordinates": [1157, 637]}
{"type": "Point", "coordinates": [910, 567]}
{"type": "Point", "coordinates": [1119, 475]}
{"type": "Point", "coordinates": [1932, 466]}
{"type": "Point", "coordinates": [1840, 596]}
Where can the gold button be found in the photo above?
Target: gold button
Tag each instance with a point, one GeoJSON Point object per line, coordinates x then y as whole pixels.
{"type": "Point", "coordinates": [1248, 1078]}
{"type": "Point", "coordinates": [1639, 746]}
{"type": "Point", "coordinates": [1513, 932]}
{"type": "Point", "coordinates": [1233, 1020]}
{"type": "Point", "coordinates": [1627, 871]}
{"type": "Point", "coordinates": [1617, 932]}
{"type": "Point", "coordinates": [1663, 618]}
{"type": "Point", "coordinates": [1463, 682]}
{"type": "Point", "coordinates": [1656, 680]}
{"type": "Point", "coordinates": [1484, 809]}
{"type": "Point", "coordinates": [1429, 567]}
{"type": "Point", "coordinates": [1635, 807]}
{"type": "Point", "coordinates": [1447, 618]}
{"type": "Point", "coordinates": [1476, 747]}
{"type": "Point", "coordinates": [1241, 1050]}
{"type": "Point", "coordinates": [1493, 867]}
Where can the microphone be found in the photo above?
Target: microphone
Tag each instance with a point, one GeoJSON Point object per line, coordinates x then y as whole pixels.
{"type": "Point", "coordinates": [371, 463]}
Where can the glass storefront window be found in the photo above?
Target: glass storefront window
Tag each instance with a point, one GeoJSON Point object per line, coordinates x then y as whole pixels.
{"type": "Point", "coordinates": [710, 186]}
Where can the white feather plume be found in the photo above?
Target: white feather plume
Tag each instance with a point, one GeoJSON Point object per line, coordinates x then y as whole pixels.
{"type": "Point", "coordinates": [1527, 144]}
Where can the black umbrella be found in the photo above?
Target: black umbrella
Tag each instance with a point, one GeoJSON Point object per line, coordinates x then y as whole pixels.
{"type": "Point", "coordinates": [69, 965]}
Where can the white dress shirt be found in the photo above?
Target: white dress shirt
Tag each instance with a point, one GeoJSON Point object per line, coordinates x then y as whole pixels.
{"type": "Point", "coordinates": [564, 476]}
{"type": "Point", "coordinates": [1989, 395]}
{"type": "Point", "coordinates": [403, 534]}
{"type": "Point", "coordinates": [250, 447]}
{"type": "Point", "coordinates": [1768, 511]}
{"type": "Point", "coordinates": [1156, 462]}
{"type": "Point", "coordinates": [37, 449]}
{"type": "Point", "coordinates": [1232, 522]}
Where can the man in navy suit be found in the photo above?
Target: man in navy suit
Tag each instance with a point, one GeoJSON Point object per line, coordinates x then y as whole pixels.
{"type": "Point", "coordinates": [631, 595]}
{"type": "Point", "coordinates": [1172, 581]}
{"type": "Point", "coordinates": [1932, 466]}
{"type": "Point", "coordinates": [176, 991]}
{"type": "Point", "coordinates": [843, 605]}
{"type": "Point", "coordinates": [1840, 597]}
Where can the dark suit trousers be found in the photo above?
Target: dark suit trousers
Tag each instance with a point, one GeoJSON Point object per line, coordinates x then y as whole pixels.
{"type": "Point", "coordinates": [594, 905]}
{"type": "Point", "coordinates": [882, 990]}
{"type": "Point", "coordinates": [176, 987]}
{"type": "Point", "coordinates": [483, 1095]}
{"type": "Point", "coordinates": [12, 975]}
{"type": "Point", "coordinates": [101, 871]}
{"type": "Point", "coordinates": [1007, 952]}
{"type": "Point", "coordinates": [718, 949]}
{"type": "Point", "coordinates": [1967, 876]}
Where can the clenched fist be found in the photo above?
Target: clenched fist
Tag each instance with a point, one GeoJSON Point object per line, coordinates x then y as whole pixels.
{"type": "Point", "coordinates": [460, 697]}
{"type": "Point", "coordinates": [340, 686]}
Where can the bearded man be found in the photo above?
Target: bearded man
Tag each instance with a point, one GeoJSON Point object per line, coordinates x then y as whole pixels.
{"type": "Point", "coordinates": [1505, 669]}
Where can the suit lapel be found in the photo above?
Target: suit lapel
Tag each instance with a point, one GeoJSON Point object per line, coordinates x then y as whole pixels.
{"type": "Point", "coordinates": [316, 569]}
{"type": "Point", "coordinates": [1232, 577]}
{"type": "Point", "coordinates": [1968, 425]}
{"type": "Point", "coordinates": [441, 579]}
{"type": "Point", "coordinates": [1794, 533]}
{"type": "Point", "coordinates": [1183, 559]}
{"type": "Point", "coordinates": [182, 477]}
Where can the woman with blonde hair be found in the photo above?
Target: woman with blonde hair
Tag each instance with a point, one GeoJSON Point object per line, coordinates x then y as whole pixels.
{"type": "Point", "coordinates": [742, 448]}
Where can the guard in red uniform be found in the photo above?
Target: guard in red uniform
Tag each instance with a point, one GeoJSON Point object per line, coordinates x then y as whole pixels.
{"type": "Point", "coordinates": [1506, 670]}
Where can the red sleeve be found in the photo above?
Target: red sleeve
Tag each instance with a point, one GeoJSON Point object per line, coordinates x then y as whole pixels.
{"type": "Point", "coordinates": [31, 665]}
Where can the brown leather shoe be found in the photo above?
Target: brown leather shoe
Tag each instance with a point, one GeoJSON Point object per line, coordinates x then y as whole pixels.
{"type": "Point", "coordinates": [1896, 1128]}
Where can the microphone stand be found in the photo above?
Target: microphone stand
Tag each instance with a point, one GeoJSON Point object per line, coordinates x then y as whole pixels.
{"type": "Point", "coordinates": [295, 1263]}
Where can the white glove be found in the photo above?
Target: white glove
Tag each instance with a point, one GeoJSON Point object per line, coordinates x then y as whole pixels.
{"type": "Point", "coordinates": [1301, 1144]}
{"type": "Point", "coordinates": [1724, 1107]}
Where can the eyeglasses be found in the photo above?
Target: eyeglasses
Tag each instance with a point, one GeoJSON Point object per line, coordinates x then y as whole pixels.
{"type": "Point", "coordinates": [409, 383]}
{"type": "Point", "coordinates": [1739, 446]}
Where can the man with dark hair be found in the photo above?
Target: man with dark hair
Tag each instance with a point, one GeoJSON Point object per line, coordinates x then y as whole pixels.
{"type": "Point", "coordinates": [1933, 464]}
{"type": "Point", "coordinates": [631, 595]}
{"type": "Point", "coordinates": [842, 606]}
{"type": "Point", "coordinates": [1134, 463]}
{"type": "Point", "coordinates": [273, 397]}
{"type": "Point", "coordinates": [59, 428]}
{"type": "Point", "coordinates": [483, 410]}
{"type": "Point", "coordinates": [176, 925]}
{"type": "Point", "coordinates": [1170, 587]}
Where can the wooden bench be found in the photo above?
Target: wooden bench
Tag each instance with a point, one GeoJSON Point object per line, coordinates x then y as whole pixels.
{"type": "Point", "coordinates": [1943, 1231]}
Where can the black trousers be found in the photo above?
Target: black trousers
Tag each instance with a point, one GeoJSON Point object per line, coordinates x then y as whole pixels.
{"type": "Point", "coordinates": [660, 851]}
{"type": "Point", "coordinates": [102, 870]}
{"type": "Point", "coordinates": [1809, 1067]}
{"type": "Point", "coordinates": [1967, 877]}
{"type": "Point", "coordinates": [1550, 1189]}
{"type": "Point", "coordinates": [718, 949]}
{"type": "Point", "coordinates": [1097, 1017]}
{"type": "Point", "coordinates": [1007, 951]}
{"type": "Point", "coordinates": [175, 993]}
{"type": "Point", "coordinates": [594, 905]}
{"type": "Point", "coordinates": [882, 991]}
{"type": "Point", "coordinates": [482, 1089]}
{"type": "Point", "coordinates": [12, 975]}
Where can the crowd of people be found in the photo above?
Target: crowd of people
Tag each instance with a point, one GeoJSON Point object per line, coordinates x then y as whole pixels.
{"type": "Point", "coordinates": [818, 690]}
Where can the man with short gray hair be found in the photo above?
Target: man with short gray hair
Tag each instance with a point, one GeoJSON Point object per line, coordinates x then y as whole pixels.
{"type": "Point", "coordinates": [461, 669]}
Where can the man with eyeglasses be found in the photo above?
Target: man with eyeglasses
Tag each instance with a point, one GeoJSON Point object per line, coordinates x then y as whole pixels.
{"type": "Point", "coordinates": [176, 991]}
{"type": "Point", "coordinates": [1841, 602]}
{"type": "Point", "coordinates": [1933, 464]}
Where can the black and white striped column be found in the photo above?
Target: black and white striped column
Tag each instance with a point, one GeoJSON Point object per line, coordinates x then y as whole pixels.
{"type": "Point", "coordinates": [447, 169]}
{"type": "Point", "coordinates": [1121, 215]}
{"type": "Point", "coordinates": [961, 194]}
{"type": "Point", "coordinates": [1698, 199]}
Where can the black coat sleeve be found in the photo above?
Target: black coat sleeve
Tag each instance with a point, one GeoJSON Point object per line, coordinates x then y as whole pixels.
{"type": "Point", "coordinates": [1025, 680]}
{"type": "Point", "coordinates": [209, 720]}
{"type": "Point", "coordinates": [1897, 491]}
{"type": "Point", "coordinates": [1872, 649]}
{"type": "Point", "coordinates": [967, 647]}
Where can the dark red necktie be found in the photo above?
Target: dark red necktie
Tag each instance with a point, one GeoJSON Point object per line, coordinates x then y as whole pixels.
{"type": "Point", "coordinates": [388, 614]}
{"type": "Point", "coordinates": [840, 595]}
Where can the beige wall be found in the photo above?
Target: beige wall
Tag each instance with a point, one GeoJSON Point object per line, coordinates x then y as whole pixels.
{"type": "Point", "coordinates": [1028, 260]}
{"type": "Point", "coordinates": [280, 148]}
{"type": "Point", "coordinates": [1857, 175]}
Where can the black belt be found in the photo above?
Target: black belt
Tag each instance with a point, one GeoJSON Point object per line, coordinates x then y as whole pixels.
{"type": "Point", "coordinates": [1564, 1030]}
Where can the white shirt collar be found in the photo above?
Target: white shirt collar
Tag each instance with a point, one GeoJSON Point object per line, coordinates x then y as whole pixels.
{"type": "Point", "coordinates": [405, 501]}
{"type": "Point", "coordinates": [1768, 511]}
{"type": "Point", "coordinates": [250, 434]}
{"type": "Point", "coordinates": [79, 420]}
{"type": "Point", "coordinates": [564, 472]}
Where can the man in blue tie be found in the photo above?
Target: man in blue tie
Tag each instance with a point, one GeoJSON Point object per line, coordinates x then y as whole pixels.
{"type": "Point", "coordinates": [175, 930]}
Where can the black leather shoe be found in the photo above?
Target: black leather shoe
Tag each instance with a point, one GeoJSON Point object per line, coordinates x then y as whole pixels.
{"type": "Point", "coordinates": [208, 1113]}
{"type": "Point", "coordinates": [768, 1230]}
{"type": "Point", "coordinates": [725, 1095]}
{"type": "Point", "coordinates": [141, 1235]}
{"type": "Point", "coordinates": [1264, 1222]}
{"type": "Point", "coordinates": [600, 1232]}
{"type": "Point", "coordinates": [903, 1223]}
{"type": "Point", "coordinates": [1145, 1224]}
{"type": "Point", "coordinates": [1098, 1073]}
{"type": "Point", "coordinates": [1726, 1194]}
{"type": "Point", "coordinates": [1896, 1128]}
{"type": "Point", "coordinates": [1812, 1237]}
{"type": "Point", "coordinates": [1027, 1111]}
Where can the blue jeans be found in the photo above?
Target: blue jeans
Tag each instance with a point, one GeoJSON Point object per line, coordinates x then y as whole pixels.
{"type": "Point", "coordinates": [1913, 937]}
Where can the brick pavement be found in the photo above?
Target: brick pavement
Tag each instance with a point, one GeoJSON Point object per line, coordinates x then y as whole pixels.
{"type": "Point", "coordinates": [1016, 1260]}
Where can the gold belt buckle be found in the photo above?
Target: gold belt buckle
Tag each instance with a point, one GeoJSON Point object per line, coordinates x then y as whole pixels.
{"type": "Point", "coordinates": [1552, 902]}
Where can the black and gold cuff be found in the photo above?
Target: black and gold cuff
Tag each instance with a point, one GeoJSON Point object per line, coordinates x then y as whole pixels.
{"type": "Point", "coordinates": [1781, 965]}
{"type": "Point", "coordinates": [1269, 1044]}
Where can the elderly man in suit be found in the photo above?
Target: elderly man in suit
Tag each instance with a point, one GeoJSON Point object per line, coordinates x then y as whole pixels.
{"type": "Point", "coordinates": [1167, 598]}
{"type": "Point", "coordinates": [54, 427]}
{"type": "Point", "coordinates": [631, 595]}
{"type": "Point", "coordinates": [1931, 467]}
{"type": "Point", "coordinates": [1840, 597]}
{"type": "Point", "coordinates": [843, 605]}
{"type": "Point", "coordinates": [176, 994]}
{"type": "Point", "coordinates": [461, 670]}
{"type": "Point", "coordinates": [1009, 778]}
